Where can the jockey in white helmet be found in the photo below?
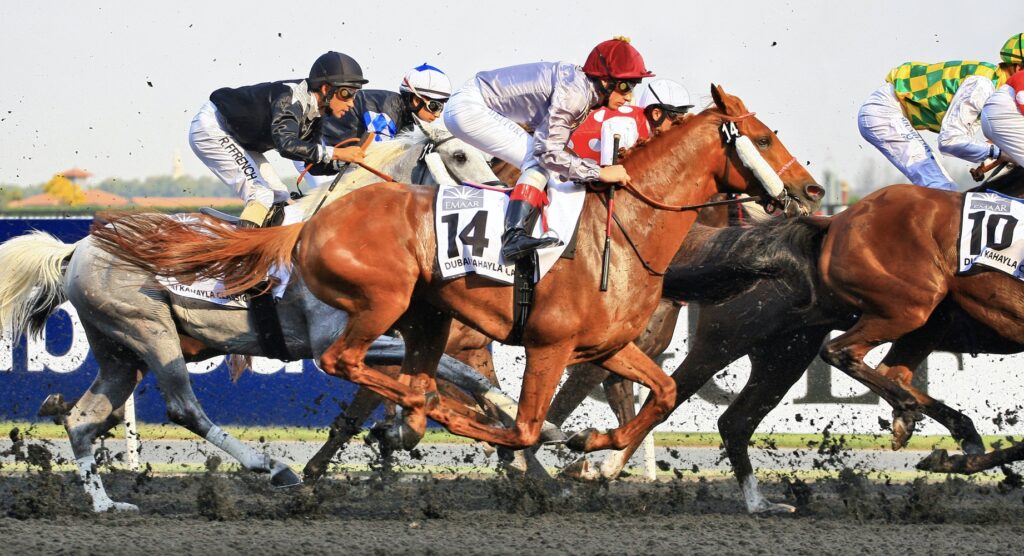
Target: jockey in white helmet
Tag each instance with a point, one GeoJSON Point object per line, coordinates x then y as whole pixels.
{"type": "Point", "coordinates": [1002, 118]}
{"type": "Point", "coordinates": [492, 112]}
{"type": "Point", "coordinates": [658, 104]}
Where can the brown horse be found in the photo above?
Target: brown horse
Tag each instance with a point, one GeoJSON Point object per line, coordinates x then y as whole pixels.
{"type": "Point", "coordinates": [372, 255]}
{"type": "Point", "coordinates": [896, 286]}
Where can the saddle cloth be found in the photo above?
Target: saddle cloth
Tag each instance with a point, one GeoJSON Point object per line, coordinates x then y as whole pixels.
{"type": "Point", "coordinates": [469, 222]}
{"type": "Point", "coordinates": [212, 291]}
{"type": "Point", "coordinates": [991, 236]}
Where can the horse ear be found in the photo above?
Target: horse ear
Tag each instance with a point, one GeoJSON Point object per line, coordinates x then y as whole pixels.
{"type": "Point", "coordinates": [726, 103]}
{"type": "Point", "coordinates": [435, 131]}
{"type": "Point", "coordinates": [716, 94]}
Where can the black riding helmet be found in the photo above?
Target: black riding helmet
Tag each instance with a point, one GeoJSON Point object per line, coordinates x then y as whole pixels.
{"type": "Point", "coordinates": [337, 70]}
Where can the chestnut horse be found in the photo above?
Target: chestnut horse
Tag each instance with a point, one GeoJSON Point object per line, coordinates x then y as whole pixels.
{"type": "Point", "coordinates": [372, 254]}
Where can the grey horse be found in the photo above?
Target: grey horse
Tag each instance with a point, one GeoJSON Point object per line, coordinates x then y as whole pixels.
{"type": "Point", "coordinates": [135, 325]}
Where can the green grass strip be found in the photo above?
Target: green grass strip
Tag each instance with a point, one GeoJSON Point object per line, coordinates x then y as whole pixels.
{"type": "Point", "coordinates": [666, 439]}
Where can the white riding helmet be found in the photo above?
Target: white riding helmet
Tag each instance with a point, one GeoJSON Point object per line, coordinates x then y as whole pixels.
{"type": "Point", "coordinates": [665, 93]}
{"type": "Point", "coordinates": [427, 82]}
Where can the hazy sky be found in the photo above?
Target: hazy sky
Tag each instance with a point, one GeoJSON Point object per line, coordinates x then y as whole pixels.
{"type": "Point", "coordinates": [76, 76]}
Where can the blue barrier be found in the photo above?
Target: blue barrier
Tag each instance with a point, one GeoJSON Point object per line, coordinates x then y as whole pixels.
{"type": "Point", "coordinates": [297, 394]}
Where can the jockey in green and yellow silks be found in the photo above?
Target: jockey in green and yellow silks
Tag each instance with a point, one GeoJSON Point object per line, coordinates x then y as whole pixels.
{"type": "Point", "coordinates": [946, 98]}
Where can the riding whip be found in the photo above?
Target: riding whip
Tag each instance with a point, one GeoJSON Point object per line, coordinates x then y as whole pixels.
{"type": "Point", "coordinates": [611, 209]}
{"type": "Point", "coordinates": [327, 192]}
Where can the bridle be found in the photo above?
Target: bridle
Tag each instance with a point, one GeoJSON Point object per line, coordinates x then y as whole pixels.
{"type": "Point", "coordinates": [421, 170]}
{"type": "Point", "coordinates": [730, 136]}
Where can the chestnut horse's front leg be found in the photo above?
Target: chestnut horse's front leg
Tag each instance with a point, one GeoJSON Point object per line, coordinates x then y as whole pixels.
{"type": "Point", "coordinates": [544, 368]}
{"type": "Point", "coordinates": [633, 364]}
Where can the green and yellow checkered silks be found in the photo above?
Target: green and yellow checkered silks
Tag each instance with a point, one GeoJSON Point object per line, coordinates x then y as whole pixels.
{"type": "Point", "coordinates": [1013, 51]}
{"type": "Point", "coordinates": [925, 90]}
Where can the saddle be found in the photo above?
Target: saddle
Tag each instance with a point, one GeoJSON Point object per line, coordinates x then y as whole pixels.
{"type": "Point", "coordinates": [262, 304]}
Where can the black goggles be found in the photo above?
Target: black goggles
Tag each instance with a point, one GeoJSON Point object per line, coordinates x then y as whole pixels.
{"type": "Point", "coordinates": [432, 105]}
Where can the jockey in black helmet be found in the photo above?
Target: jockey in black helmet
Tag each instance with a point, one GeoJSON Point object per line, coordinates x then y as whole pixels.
{"type": "Point", "coordinates": [236, 126]}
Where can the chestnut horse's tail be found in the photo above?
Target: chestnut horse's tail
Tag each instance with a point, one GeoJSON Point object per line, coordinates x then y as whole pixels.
{"type": "Point", "coordinates": [187, 249]}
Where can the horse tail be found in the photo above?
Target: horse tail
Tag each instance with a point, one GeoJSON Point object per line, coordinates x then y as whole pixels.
{"type": "Point", "coordinates": [32, 282]}
{"type": "Point", "coordinates": [191, 249]}
{"type": "Point", "coordinates": [716, 264]}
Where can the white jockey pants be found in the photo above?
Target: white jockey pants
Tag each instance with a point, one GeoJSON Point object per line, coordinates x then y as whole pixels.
{"type": "Point", "coordinates": [468, 117]}
{"type": "Point", "coordinates": [883, 124]}
{"type": "Point", "coordinates": [1003, 124]}
{"type": "Point", "coordinates": [248, 173]}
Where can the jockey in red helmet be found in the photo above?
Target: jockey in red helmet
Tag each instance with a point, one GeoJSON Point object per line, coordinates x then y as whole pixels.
{"type": "Point", "coordinates": [492, 112]}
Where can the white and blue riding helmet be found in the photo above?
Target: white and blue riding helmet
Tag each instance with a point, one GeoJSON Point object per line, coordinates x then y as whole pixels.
{"type": "Point", "coordinates": [427, 82]}
{"type": "Point", "coordinates": [665, 94]}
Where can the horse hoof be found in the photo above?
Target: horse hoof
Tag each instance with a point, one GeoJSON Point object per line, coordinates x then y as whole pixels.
{"type": "Point", "coordinates": [935, 462]}
{"type": "Point", "coordinates": [578, 440]}
{"type": "Point", "coordinates": [903, 425]}
{"type": "Point", "coordinates": [402, 436]}
{"type": "Point", "coordinates": [111, 506]}
{"type": "Point", "coordinates": [285, 478]}
{"type": "Point", "coordinates": [552, 436]}
{"type": "Point", "coordinates": [580, 470]}
{"type": "Point", "coordinates": [770, 508]}
{"type": "Point", "coordinates": [973, 448]}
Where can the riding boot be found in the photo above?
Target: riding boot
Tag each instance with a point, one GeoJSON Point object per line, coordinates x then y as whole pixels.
{"type": "Point", "coordinates": [516, 242]}
{"type": "Point", "coordinates": [253, 215]}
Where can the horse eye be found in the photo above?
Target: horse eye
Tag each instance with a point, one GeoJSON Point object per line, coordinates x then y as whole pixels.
{"type": "Point", "coordinates": [764, 142]}
{"type": "Point", "coordinates": [460, 157]}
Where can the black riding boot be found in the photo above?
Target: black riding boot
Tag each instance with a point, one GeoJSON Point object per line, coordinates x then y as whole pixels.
{"type": "Point", "coordinates": [516, 242]}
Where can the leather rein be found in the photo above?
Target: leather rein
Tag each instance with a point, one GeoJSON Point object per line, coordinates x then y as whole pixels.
{"type": "Point", "coordinates": [729, 139]}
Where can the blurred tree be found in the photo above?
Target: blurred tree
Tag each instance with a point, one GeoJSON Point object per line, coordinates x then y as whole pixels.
{"type": "Point", "coordinates": [65, 190]}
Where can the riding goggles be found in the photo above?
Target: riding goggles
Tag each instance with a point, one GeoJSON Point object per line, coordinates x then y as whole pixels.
{"type": "Point", "coordinates": [623, 86]}
{"type": "Point", "coordinates": [345, 93]}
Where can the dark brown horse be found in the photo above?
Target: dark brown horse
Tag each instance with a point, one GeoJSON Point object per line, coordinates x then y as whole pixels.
{"type": "Point", "coordinates": [372, 255]}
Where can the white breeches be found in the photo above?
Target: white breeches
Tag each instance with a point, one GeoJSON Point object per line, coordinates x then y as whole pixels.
{"type": "Point", "coordinates": [471, 120]}
{"type": "Point", "coordinates": [248, 173]}
{"type": "Point", "coordinates": [882, 123]}
{"type": "Point", "coordinates": [1003, 124]}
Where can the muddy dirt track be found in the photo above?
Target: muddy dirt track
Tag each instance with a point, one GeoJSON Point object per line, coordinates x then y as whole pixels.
{"type": "Point", "coordinates": [218, 513]}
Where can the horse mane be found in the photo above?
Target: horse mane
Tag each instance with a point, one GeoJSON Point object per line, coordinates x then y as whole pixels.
{"type": "Point", "coordinates": [624, 154]}
{"type": "Point", "coordinates": [379, 155]}
{"type": "Point", "coordinates": [717, 264]}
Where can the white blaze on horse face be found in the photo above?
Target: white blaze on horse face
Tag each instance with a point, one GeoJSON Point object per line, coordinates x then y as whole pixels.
{"type": "Point", "coordinates": [759, 166]}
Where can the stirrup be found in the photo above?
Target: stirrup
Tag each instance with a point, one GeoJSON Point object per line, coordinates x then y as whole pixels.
{"type": "Point", "coordinates": [519, 244]}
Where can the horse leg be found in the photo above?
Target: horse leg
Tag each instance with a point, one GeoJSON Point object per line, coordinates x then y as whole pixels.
{"type": "Point", "coordinates": [906, 354]}
{"type": "Point", "coordinates": [425, 332]}
{"type": "Point", "coordinates": [941, 462]}
{"type": "Point", "coordinates": [847, 353]}
{"type": "Point", "coordinates": [633, 364]}
{"type": "Point", "coordinates": [711, 350]}
{"type": "Point", "coordinates": [773, 372]}
{"type": "Point", "coordinates": [583, 378]}
{"type": "Point", "coordinates": [346, 425]}
{"type": "Point", "coordinates": [100, 409]}
{"type": "Point", "coordinates": [544, 367]}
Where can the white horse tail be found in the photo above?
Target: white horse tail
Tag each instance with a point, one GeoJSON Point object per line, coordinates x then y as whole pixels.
{"type": "Point", "coordinates": [31, 281]}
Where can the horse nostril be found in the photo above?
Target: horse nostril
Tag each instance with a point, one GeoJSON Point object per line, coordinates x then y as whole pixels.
{"type": "Point", "coordinates": [814, 191]}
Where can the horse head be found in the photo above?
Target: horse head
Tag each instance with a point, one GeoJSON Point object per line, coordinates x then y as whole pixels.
{"type": "Point", "coordinates": [461, 161]}
{"type": "Point", "coordinates": [754, 155]}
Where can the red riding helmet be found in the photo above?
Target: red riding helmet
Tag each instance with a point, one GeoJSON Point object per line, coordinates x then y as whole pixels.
{"type": "Point", "coordinates": [616, 59]}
